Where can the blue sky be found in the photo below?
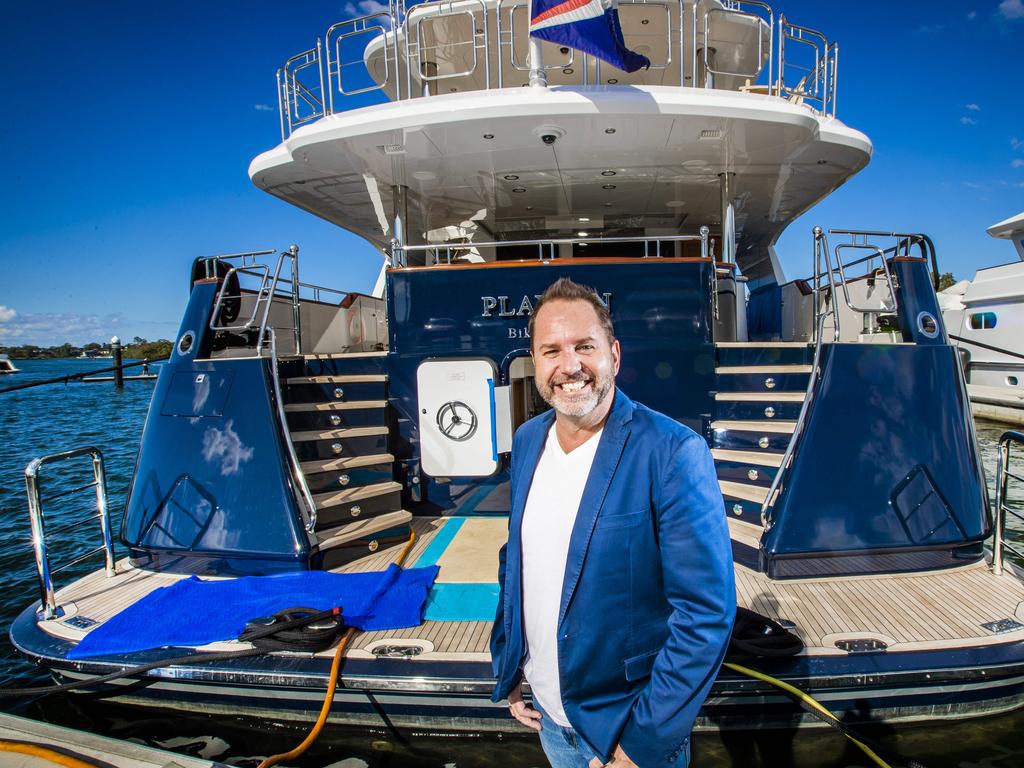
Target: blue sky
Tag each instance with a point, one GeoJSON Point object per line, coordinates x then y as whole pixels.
{"type": "Point", "coordinates": [129, 127]}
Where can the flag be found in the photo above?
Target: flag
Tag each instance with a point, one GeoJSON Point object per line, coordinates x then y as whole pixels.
{"type": "Point", "coordinates": [591, 26]}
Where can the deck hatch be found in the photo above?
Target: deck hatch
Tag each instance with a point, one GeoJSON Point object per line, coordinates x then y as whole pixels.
{"type": "Point", "coordinates": [1002, 625]}
{"type": "Point", "coordinates": [862, 645]}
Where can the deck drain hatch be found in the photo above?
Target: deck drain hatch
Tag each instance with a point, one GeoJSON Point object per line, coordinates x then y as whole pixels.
{"type": "Point", "coordinates": [80, 622]}
{"type": "Point", "coordinates": [861, 645]}
{"type": "Point", "coordinates": [1003, 625]}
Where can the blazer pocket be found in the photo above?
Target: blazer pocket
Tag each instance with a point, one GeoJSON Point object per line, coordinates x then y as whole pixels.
{"type": "Point", "coordinates": [639, 667]}
{"type": "Point", "coordinates": [622, 519]}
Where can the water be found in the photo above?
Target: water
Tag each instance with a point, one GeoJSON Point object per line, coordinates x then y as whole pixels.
{"type": "Point", "coordinates": [39, 421]}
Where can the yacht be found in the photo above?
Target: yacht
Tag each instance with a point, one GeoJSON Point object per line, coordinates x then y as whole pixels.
{"type": "Point", "coordinates": [985, 317]}
{"type": "Point", "coordinates": [6, 366]}
{"type": "Point", "coordinates": [299, 427]}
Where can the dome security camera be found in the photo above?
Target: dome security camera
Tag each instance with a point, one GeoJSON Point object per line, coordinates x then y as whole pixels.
{"type": "Point", "coordinates": [549, 134]}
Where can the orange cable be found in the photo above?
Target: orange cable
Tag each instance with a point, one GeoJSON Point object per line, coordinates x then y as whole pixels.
{"type": "Point", "coordinates": [44, 753]}
{"type": "Point", "coordinates": [331, 685]}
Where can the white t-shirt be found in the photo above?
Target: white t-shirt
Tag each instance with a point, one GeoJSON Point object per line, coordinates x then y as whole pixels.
{"type": "Point", "coordinates": [550, 513]}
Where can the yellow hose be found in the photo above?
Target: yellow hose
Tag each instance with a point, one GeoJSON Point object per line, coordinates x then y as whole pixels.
{"type": "Point", "coordinates": [331, 685]}
{"type": "Point", "coordinates": [806, 698]}
{"type": "Point", "coordinates": [43, 753]}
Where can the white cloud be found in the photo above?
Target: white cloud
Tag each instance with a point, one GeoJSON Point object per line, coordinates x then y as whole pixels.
{"type": "Point", "coordinates": [51, 329]}
{"type": "Point", "coordinates": [1018, 163]}
{"type": "Point", "coordinates": [365, 8]}
{"type": "Point", "coordinates": [973, 107]}
{"type": "Point", "coordinates": [1012, 9]}
{"type": "Point", "coordinates": [965, 120]}
{"type": "Point", "coordinates": [6, 313]}
{"type": "Point", "coordinates": [972, 15]}
{"type": "Point", "coordinates": [263, 107]}
{"type": "Point", "coordinates": [1016, 143]}
{"type": "Point", "coordinates": [972, 185]}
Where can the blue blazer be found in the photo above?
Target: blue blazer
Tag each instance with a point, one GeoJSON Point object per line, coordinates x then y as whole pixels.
{"type": "Point", "coordinates": [648, 598]}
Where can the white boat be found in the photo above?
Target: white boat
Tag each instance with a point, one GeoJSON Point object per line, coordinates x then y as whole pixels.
{"type": "Point", "coordinates": [298, 429]}
{"type": "Point", "coordinates": [6, 366]}
{"type": "Point", "coordinates": [985, 317]}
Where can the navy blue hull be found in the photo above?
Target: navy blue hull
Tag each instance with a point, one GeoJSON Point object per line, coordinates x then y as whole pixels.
{"type": "Point", "coordinates": [441, 696]}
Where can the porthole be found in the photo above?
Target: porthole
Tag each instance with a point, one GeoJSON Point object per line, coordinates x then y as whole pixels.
{"type": "Point", "coordinates": [185, 342]}
{"type": "Point", "coordinates": [1012, 381]}
{"type": "Point", "coordinates": [927, 324]}
{"type": "Point", "coordinates": [983, 321]}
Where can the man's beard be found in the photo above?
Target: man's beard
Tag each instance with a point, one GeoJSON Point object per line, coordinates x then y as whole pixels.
{"type": "Point", "coordinates": [579, 405]}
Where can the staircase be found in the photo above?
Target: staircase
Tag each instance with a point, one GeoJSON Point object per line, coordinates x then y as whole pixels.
{"type": "Point", "coordinates": [761, 389]}
{"type": "Point", "coordinates": [337, 412]}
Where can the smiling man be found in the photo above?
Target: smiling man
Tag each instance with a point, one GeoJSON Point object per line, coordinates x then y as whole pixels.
{"type": "Point", "coordinates": [617, 585]}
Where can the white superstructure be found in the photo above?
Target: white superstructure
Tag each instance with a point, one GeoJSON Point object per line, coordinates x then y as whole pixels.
{"type": "Point", "coordinates": [985, 317]}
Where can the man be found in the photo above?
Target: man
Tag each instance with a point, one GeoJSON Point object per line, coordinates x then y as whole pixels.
{"type": "Point", "coordinates": [617, 596]}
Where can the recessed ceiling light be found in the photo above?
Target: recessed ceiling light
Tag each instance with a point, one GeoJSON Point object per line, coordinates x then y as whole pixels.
{"type": "Point", "coordinates": [609, 130]}
{"type": "Point", "coordinates": [608, 186]}
{"type": "Point", "coordinates": [424, 175]}
{"type": "Point", "coordinates": [567, 71]}
{"type": "Point", "coordinates": [581, 234]}
{"type": "Point", "coordinates": [607, 173]}
{"type": "Point", "coordinates": [518, 189]}
{"type": "Point", "coordinates": [675, 204]}
{"type": "Point", "coordinates": [511, 177]}
{"type": "Point", "coordinates": [645, 21]}
{"type": "Point", "coordinates": [582, 218]}
{"type": "Point", "coordinates": [488, 135]}
{"type": "Point", "coordinates": [612, 80]}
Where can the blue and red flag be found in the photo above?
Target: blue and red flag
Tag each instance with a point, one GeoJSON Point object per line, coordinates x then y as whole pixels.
{"type": "Point", "coordinates": [591, 26]}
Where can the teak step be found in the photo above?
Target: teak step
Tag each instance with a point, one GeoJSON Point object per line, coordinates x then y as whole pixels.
{"type": "Point", "coordinates": [781, 427]}
{"type": "Point", "coordinates": [334, 405]}
{"type": "Point", "coordinates": [748, 457]}
{"type": "Point", "coordinates": [343, 355]}
{"type": "Point", "coordinates": [781, 368]}
{"type": "Point", "coordinates": [354, 378]}
{"type": "Point", "coordinates": [762, 344]}
{"type": "Point", "coordinates": [743, 491]}
{"type": "Point", "coordinates": [351, 541]}
{"type": "Point", "coordinates": [337, 465]}
{"type": "Point", "coordinates": [348, 495]}
{"type": "Point", "coordinates": [361, 529]}
{"type": "Point", "coordinates": [338, 434]}
{"type": "Point", "coordinates": [781, 397]}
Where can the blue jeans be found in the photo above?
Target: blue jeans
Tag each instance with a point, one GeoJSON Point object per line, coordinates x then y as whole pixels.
{"type": "Point", "coordinates": [565, 748]}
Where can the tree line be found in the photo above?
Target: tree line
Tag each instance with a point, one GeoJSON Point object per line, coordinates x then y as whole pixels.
{"type": "Point", "coordinates": [139, 348]}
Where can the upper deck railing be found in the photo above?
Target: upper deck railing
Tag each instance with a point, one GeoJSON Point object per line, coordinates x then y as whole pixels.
{"type": "Point", "coordinates": [425, 49]}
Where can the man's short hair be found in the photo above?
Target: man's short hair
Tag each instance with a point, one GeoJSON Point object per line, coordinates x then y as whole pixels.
{"type": "Point", "coordinates": [564, 289]}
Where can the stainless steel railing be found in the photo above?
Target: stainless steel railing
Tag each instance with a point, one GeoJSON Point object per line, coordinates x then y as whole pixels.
{"type": "Point", "coordinates": [1003, 475]}
{"type": "Point", "coordinates": [40, 532]}
{"type": "Point", "coordinates": [427, 48]}
{"type": "Point", "coordinates": [821, 254]}
{"type": "Point", "coordinates": [298, 476]}
{"type": "Point", "coordinates": [265, 295]}
{"type": "Point", "coordinates": [548, 248]}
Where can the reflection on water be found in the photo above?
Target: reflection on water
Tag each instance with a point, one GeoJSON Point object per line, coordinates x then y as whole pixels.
{"type": "Point", "coordinates": [36, 422]}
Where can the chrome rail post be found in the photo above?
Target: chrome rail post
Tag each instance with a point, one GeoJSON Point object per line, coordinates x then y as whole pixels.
{"type": "Point", "coordinates": [35, 512]}
{"type": "Point", "coordinates": [293, 459]}
{"type": "Point", "coordinates": [1002, 467]}
{"type": "Point", "coordinates": [37, 520]}
{"type": "Point", "coordinates": [293, 251]}
{"type": "Point", "coordinates": [100, 475]}
{"type": "Point", "coordinates": [538, 77]}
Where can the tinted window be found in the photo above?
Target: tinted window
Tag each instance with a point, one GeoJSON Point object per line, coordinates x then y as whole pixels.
{"type": "Point", "coordinates": [983, 320]}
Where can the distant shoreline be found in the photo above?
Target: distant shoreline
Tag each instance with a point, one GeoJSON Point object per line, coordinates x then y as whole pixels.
{"type": "Point", "coordinates": [139, 349]}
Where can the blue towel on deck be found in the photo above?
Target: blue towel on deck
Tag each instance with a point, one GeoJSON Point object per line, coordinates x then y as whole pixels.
{"type": "Point", "coordinates": [196, 612]}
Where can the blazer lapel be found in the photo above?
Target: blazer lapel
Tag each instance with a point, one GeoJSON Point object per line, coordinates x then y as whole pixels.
{"type": "Point", "coordinates": [606, 460]}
